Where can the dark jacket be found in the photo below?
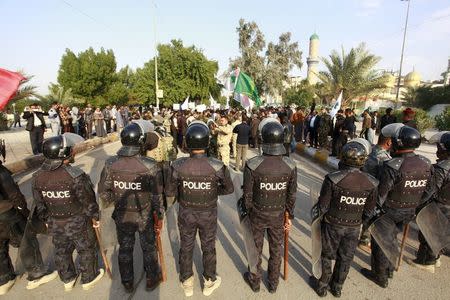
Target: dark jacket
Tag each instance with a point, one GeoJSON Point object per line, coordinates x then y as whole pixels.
{"type": "Point", "coordinates": [29, 116]}
{"type": "Point", "coordinates": [386, 120]}
{"type": "Point", "coordinates": [243, 133]}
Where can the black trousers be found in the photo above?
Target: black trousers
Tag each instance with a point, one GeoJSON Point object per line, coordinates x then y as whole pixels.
{"type": "Point", "coordinates": [425, 255]}
{"type": "Point", "coordinates": [380, 263]}
{"type": "Point", "coordinates": [313, 137]}
{"type": "Point", "coordinates": [338, 243]}
{"type": "Point", "coordinates": [11, 233]}
{"type": "Point", "coordinates": [126, 237]}
{"type": "Point", "coordinates": [36, 139]}
{"type": "Point", "coordinates": [86, 245]}
{"type": "Point", "coordinates": [273, 224]}
{"type": "Point", "coordinates": [205, 222]}
{"type": "Point", "coordinates": [108, 125]}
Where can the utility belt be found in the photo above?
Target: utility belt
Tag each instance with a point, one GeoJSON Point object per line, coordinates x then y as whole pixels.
{"type": "Point", "coordinates": [401, 204]}
{"type": "Point", "coordinates": [134, 205]}
{"type": "Point", "coordinates": [64, 211]}
{"type": "Point", "coordinates": [345, 219]}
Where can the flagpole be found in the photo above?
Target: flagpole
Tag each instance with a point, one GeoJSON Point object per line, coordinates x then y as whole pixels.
{"type": "Point", "coordinates": [156, 59]}
{"type": "Point", "coordinates": [401, 56]}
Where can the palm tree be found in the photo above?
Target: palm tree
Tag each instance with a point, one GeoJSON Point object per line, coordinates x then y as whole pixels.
{"type": "Point", "coordinates": [410, 95]}
{"type": "Point", "coordinates": [354, 73]}
{"type": "Point", "coordinates": [24, 91]}
{"type": "Point", "coordinates": [62, 95]}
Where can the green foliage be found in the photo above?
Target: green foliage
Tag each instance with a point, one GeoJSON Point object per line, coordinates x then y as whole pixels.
{"type": "Point", "coordinates": [427, 96]}
{"type": "Point", "coordinates": [410, 95]}
{"type": "Point", "coordinates": [89, 74]}
{"type": "Point", "coordinates": [353, 72]}
{"type": "Point", "coordinates": [270, 66]}
{"type": "Point", "coordinates": [301, 95]}
{"type": "Point", "coordinates": [443, 120]}
{"type": "Point", "coordinates": [61, 95]}
{"type": "Point", "coordinates": [424, 121]}
{"type": "Point", "coordinates": [25, 90]}
{"type": "Point", "coordinates": [182, 71]}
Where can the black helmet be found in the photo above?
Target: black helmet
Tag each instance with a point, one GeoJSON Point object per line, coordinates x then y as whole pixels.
{"type": "Point", "coordinates": [354, 154]}
{"type": "Point", "coordinates": [272, 135]}
{"type": "Point", "coordinates": [132, 135]}
{"type": "Point", "coordinates": [406, 138]}
{"type": "Point", "coordinates": [445, 141]}
{"type": "Point", "coordinates": [197, 136]}
{"type": "Point", "coordinates": [53, 148]}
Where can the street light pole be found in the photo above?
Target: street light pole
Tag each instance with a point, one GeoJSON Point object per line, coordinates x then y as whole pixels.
{"type": "Point", "coordinates": [156, 60]}
{"type": "Point", "coordinates": [403, 49]}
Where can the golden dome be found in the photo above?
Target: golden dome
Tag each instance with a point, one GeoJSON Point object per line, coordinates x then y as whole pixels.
{"type": "Point", "coordinates": [412, 79]}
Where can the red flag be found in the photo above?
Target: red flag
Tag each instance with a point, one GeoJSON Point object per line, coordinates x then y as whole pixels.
{"type": "Point", "coordinates": [9, 83]}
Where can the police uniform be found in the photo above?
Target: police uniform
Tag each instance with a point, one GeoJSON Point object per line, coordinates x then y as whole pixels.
{"type": "Point", "coordinates": [346, 195]}
{"type": "Point", "coordinates": [225, 133]}
{"type": "Point", "coordinates": [403, 181]}
{"type": "Point", "coordinates": [197, 181]}
{"type": "Point", "coordinates": [133, 183]}
{"type": "Point", "coordinates": [438, 191]}
{"type": "Point", "coordinates": [66, 202]}
{"type": "Point", "coordinates": [270, 186]}
{"type": "Point", "coordinates": [375, 161]}
{"type": "Point", "coordinates": [13, 219]}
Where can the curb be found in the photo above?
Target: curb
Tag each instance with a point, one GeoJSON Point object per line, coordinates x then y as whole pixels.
{"type": "Point", "coordinates": [35, 161]}
{"type": "Point", "coordinates": [320, 156]}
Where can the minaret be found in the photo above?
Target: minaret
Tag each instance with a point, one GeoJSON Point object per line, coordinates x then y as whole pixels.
{"type": "Point", "coordinates": [313, 59]}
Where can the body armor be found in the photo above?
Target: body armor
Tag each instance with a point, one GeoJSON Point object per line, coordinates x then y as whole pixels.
{"type": "Point", "coordinates": [351, 191]}
{"type": "Point", "coordinates": [57, 193]}
{"type": "Point", "coordinates": [271, 181]}
{"type": "Point", "coordinates": [132, 182]}
{"type": "Point", "coordinates": [415, 174]}
{"type": "Point", "coordinates": [443, 195]}
{"type": "Point", "coordinates": [198, 185]}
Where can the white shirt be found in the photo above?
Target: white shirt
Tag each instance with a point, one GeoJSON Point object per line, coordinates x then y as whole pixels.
{"type": "Point", "coordinates": [37, 121]}
{"type": "Point", "coordinates": [311, 123]}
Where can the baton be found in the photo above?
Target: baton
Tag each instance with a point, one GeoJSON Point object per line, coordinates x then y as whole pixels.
{"type": "Point", "coordinates": [286, 247]}
{"type": "Point", "coordinates": [405, 236]}
{"type": "Point", "coordinates": [160, 250]}
{"type": "Point", "coordinates": [102, 251]}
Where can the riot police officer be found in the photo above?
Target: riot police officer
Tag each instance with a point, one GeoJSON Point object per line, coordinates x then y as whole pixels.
{"type": "Point", "coordinates": [66, 202]}
{"type": "Point", "coordinates": [437, 191]}
{"type": "Point", "coordinates": [270, 186]}
{"type": "Point", "coordinates": [13, 219]}
{"type": "Point", "coordinates": [403, 181]}
{"type": "Point", "coordinates": [197, 181]}
{"type": "Point", "coordinates": [133, 183]}
{"type": "Point", "coordinates": [346, 197]}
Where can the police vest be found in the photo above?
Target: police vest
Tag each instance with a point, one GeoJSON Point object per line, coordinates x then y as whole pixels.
{"type": "Point", "coordinates": [271, 183]}
{"type": "Point", "coordinates": [351, 191]}
{"type": "Point", "coordinates": [198, 185]}
{"type": "Point", "coordinates": [443, 195]}
{"type": "Point", "coordinates": [132, 184]}
{"type": "Point", "coordinates": [55, 188]}
{"type": "Point", "coordinates": [414, 176]}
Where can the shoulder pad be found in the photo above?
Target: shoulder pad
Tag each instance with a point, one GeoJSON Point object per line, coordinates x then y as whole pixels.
{"type": "Point", "coordinates": [426, 160]}
{"type": "Point", "coordinates": [215, 163]}
{"type": "Point", "coordinates": [445, 165]}
{"type": "Point", "coordinates": [148, 162]}
{"type": "Point", "coordinates": [337, 176]}
{"type": "Point", "coordinates": [255, 162]}
{"type": "Point", "coordinates": [395, 163]}
{"type": "Point", "coordinates": [178, 162]}
{"type": "Point", "coordinates": [73, 171]}
{"type": "Point", "coordinates": [372, 180]}
{"type": "Point", "coordinates": [291, 164]}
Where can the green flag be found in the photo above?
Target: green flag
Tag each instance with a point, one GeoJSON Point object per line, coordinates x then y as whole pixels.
{"type": "Point", "coordinates": [244, 89]}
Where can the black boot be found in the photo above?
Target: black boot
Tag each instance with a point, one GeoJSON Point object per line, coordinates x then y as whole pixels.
{"type": "Point", "coordinates": [382, 282]}
{"type": "Point", "coordinates": [321, 291]}
{"type": "Point", "coordinates": [128, 286]}
{"type": "Point", "coordinates": [248, 281]}
{"type": "Point", "coordinates": [336, 289]}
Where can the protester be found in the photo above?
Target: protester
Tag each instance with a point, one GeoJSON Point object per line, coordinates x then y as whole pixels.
{"type": "Point", "coordinates": [387, 118]}
{"type": "Point", "coordinates": [408, 118]}
{"type": "Point", "coordinates": [36, 126]}
{"type": "Point", "coordinates": [297, 120]}
{"type": "Point", "coordinates": [242, 132]}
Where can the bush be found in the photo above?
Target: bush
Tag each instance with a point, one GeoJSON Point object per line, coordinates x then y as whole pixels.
{"type": "Point", "coordinates": [443, 120]}
{"type": "Point", "coordinates": [424, 121]}
{"type": "Point", "coordinates": [3, 121]}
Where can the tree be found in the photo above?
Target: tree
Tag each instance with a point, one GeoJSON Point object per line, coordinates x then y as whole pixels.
{"type": "Point", "coordinates": [410, 95]}
{"type": "Point", "coordinates": [61, 95]}
{"type": "Point", "coordinates": [427, 96]}
{"type": "Point", "coordinates": [267, 68]}
{"type": "Point", "coordinates": [182, 71]}
{"type": "Point", "coordinates": [25, 90]}
{"type": "Point", "coordinates": [300, 95]}
{"type": "Point", "coordinates": [89, 74]}
{"type": "Point", "coordinates": [353, 72]}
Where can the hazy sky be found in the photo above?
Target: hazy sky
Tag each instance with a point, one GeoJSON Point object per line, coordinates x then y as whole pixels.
{"type": "Point", "coordinates": [34, 33]}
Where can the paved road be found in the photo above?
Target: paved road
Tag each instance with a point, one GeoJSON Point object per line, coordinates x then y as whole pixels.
{"type": "Point", "coordinates": [409, 283]}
